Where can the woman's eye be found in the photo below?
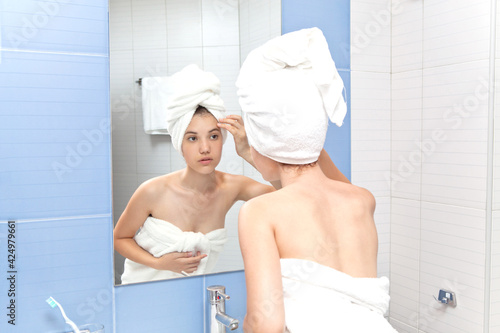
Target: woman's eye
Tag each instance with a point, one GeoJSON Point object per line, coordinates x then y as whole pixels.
{"type": "Point", "coordinates": [191, 138]}
{"type": "Point", "coordinates": [214, 137]}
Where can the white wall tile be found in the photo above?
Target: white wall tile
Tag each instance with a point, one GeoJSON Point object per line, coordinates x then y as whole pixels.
{"type": "Point", "coordinates": [405, 256]}
{"type": "Point", "coordinates": [120, 22]}
{"type": "Point", "coordinates": [124, 185]}
{"type": "Point", "coordinates": [230, 258]}
{"type": "Point", "coordinates": [407, 25]}
{"type": "Point", "coordinates": [454, 123]}
{"type": "Point", "coordinates": [383, 223]}
{"type": "Point", "coordinates": [371, 36]}
{"type": "Point", "coordinates": [150, 62]}
{"type": "Point", "coordinates": [224, 62]}
{"type": "Point", "coordinates": [401, 327]}
{"type": "Point", "coordinates": [178, 58]}
{"type": "Point", "coordinates": [124, 144]}
{"type": "Point", "coordinates": [259, 22]}
{"type": "Point", "coordinates": [153, 151]}
{"type": "Point", "coordinates": [406, 125]}
{"type": "Point", "coordinates": [496, 135]}
{"type": "Point", "coordinates": [371, 131]}
{"type": "Point", "coordinates": [149, 25]}
{"type": "Point", "coordinates": [495, 273]}
{"type": "Point", "coordinates": [455, 31]}
{"type": "Point", "coordinates": [452, 257]}
{"type": "Point", "coordinates": [184, 23]}
{"type": "Point", "coordinates": [497, 51]}
{"type": "Point", "coordinates": [220, 23]}
{"type": "Point", "coordinates": [230, 161]}
{"type": "Point", "coordinates": [121, 68]}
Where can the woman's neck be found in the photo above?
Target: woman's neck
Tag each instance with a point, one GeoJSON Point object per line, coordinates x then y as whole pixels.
{"type": "Point", "coordinates": [306, 174]}
{"type": "Point", "coordinates": [196, 181]}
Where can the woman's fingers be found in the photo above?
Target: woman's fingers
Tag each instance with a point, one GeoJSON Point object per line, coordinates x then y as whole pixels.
{"type": "Point", "coordinates": [233, 120]}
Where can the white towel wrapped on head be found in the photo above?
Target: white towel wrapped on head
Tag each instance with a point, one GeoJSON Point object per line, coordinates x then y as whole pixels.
{"type": "Point", "coordinates": [288, 88]}
{"type": "Point", "coordinates": [192, 87]}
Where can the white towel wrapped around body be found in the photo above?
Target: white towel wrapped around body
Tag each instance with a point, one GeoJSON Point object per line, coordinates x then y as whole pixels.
{"type": "Point", "coordinates": [321, 299]}
{"type": "Point", "coordinates": [192, 87]}
{"type": "Point", "coordinates": [159, 237]}
{"type": "Point", "coordinates": [156, 92]}
{"type": "Point", "coordinates": [288, 88]}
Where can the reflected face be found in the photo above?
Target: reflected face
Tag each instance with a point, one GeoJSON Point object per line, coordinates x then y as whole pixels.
{"type": "Point", "coordinates": [268, 168]}
{"type": "Point", "coordinates": [202, 143]}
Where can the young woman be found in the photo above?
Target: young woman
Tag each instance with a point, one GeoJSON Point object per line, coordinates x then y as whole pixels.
{"type": "Point", "coordinates": [309, 248]}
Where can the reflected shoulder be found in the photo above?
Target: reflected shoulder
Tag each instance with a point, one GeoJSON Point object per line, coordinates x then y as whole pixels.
{"type": "Point", "coordinates": [154, 185]}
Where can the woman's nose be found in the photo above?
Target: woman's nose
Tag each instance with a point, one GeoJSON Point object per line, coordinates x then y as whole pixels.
{"type": "Point", "coordinates": [204, 146]}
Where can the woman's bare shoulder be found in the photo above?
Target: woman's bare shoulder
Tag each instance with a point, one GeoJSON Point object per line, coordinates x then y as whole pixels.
{"type": "Point", "coordinates": [157, 185]}
{"type": "Point", "coordinates": [262, 206]}
{"type": "Point", "coordinates": [360, 196]}
{"type": "Point", "coordinates": [231, 178]}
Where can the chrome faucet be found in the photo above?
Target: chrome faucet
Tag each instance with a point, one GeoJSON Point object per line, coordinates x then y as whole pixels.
{"type": "Point", "coordinates": [217, 319]}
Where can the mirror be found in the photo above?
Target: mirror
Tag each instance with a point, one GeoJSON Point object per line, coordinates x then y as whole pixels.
{"type": "Point", "coordinates": [159, 38]}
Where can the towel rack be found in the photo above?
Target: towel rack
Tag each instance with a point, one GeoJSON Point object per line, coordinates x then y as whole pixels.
{"type": "Point", "coordinates": [139, 81]}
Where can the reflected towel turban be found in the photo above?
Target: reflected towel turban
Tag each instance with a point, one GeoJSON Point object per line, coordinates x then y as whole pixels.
{"type": "Point", "coordinates": [192, 87]}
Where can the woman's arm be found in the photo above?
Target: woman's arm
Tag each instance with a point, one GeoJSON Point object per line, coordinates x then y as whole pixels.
{"type": "Point", "coordinates": [133, 217]}
{"type": "Point", "coordinates": [234, 124]}
{"type": "Point", "coordinates": [265, 308]}
{"type": "Point", "coordinates": [249, 188]}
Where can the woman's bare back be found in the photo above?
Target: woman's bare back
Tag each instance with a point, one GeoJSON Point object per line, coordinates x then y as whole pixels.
{"type": "Point", "coordinates": [330, 223]}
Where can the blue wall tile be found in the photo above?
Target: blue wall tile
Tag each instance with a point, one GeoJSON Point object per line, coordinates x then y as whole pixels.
{"type": "Point", "coordinates": [56, 25]}
{"type": "Point", "coordinates": [338, 139]}
{"type": "Point", "coordinates": [333, 18]}
{"type": "Point", "coordinates": [54, 135]}
{"type": "Point", "coordinates": [64, 259]}
{"type": "Point", "coordinates": [177, 305]}
{"type": "Point", "coordinates": [165, 306]}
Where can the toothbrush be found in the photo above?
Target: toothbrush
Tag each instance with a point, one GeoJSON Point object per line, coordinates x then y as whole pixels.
{"type": "Point", "coordinates": [53, 303]}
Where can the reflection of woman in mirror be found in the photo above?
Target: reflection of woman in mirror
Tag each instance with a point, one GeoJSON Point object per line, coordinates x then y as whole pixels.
{"type": "Point", "coordinates": [310, 248]}
{"type": "Point", "coordinates": [173, 225]}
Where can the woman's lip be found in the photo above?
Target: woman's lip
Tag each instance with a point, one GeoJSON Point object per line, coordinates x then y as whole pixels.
{"type": "Point", "coordinates": [205, 161]}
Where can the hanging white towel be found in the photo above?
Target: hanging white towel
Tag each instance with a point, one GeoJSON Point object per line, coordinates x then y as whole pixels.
{"type": "Point", "coordinates": [156, 92]}
{"type": "Point", "coordinates": [159, 237]}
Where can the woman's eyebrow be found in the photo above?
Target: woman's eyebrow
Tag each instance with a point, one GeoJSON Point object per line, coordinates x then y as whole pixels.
{"type": "Point", "coordinates": [215, 129]}
{"type": "Point", "coordinates": [190, 132]}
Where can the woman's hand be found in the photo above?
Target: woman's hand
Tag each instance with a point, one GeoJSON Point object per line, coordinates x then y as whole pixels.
{"type": "Point", "coordinates": [234, 124]}
{"type": "Point", "coordinates": [179, 262]}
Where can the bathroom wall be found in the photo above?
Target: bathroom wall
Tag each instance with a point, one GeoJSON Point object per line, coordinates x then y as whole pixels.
{"type": "Point", "coordinates": [55, 170]}
{"type": "Point", "coordinates": [441, 161]}
{"type": "Point", "coordinates": [370, 112]}
{"type": "Point", "coordinates": [54, 164]}
{"type": "Point", "coordinates": [494, 149]}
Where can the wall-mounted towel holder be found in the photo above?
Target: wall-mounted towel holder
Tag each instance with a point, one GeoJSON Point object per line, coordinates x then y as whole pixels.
{"type": "Point", "coordinates": [139, 81]}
